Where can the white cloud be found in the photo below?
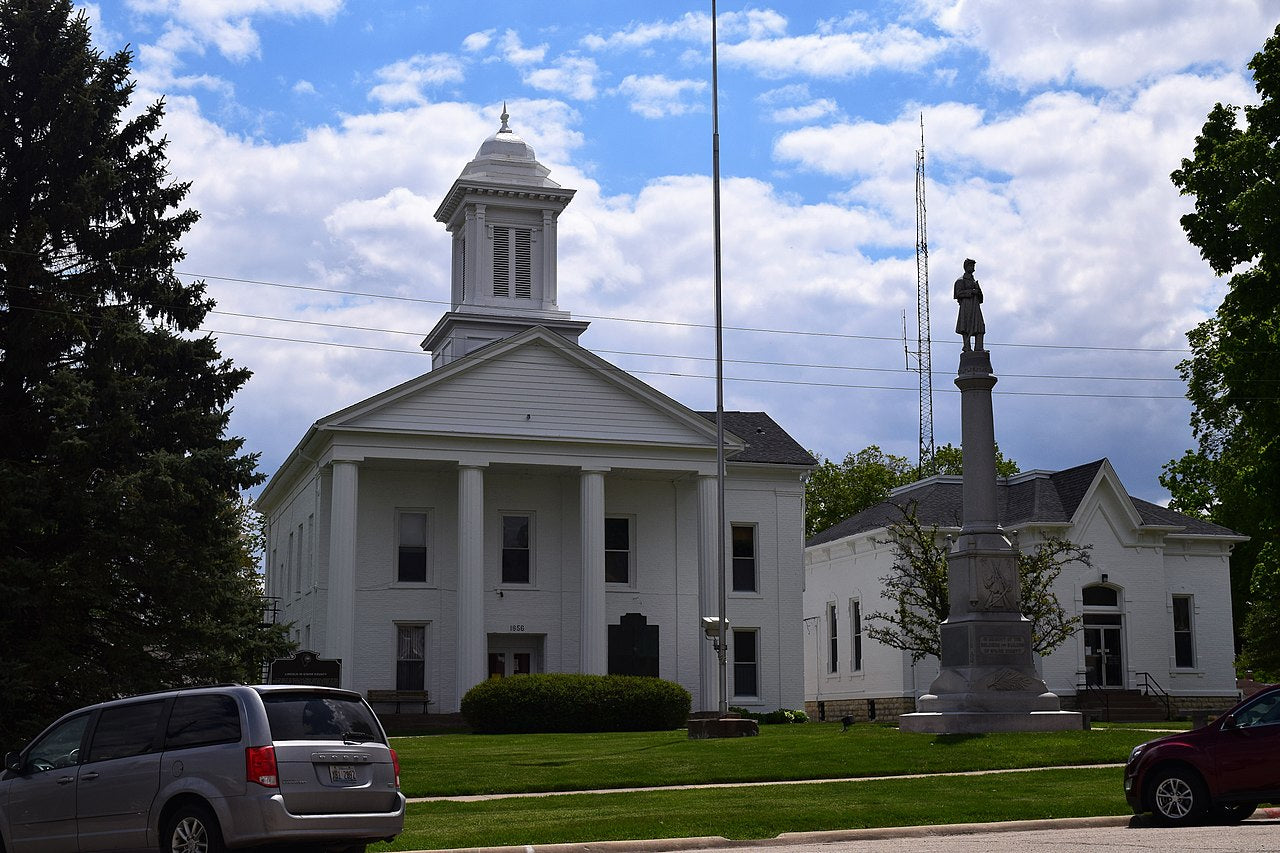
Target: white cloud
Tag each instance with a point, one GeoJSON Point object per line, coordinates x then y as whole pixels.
{"type": "Point", "coordinates": [228, 24]}
{"type": "Point", "coordinates": [1105, 43]}
{"type": "Point", "coordinates": [514, 51]}
{"type": "Point", "coordinates": [835, 55]}
{"type": "Point", "coordinates": [403, 82]}
{"type": "Point", "coordinates": [691, 27]}
{"type": "Point", "coordinates": [656, 96]}
{"type": "Point", "coordinates": [304, 87]}
{"type": "Point", "coordinates": [572, 76]}
{"type": "Point", "coordinates": [477, 42]}
{"type": "Point", "coordinates": [794, 104]}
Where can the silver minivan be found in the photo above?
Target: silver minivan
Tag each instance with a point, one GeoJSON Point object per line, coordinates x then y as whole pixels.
{"type": "Point", "coordinates": [203, 770]}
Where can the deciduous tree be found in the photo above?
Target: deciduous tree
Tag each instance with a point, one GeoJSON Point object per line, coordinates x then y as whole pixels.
{"type": "Point", "coordinates": [917, 586]}
{"type": "Point", "coordinates": [124, 564]}
{"type": "Point", "coordinates": [1233, 374]}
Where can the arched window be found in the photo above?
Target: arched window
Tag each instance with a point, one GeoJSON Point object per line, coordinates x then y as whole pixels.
{"type": "Point", "coordinates": [1100, 596]}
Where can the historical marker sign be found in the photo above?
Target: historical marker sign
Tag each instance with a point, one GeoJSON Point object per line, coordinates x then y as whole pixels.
{"type": "Point", "coordinates": [306, 667]}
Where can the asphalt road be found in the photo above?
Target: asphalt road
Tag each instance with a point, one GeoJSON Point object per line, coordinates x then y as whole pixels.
{"type": "Point", "coordinates": [1091, 835]}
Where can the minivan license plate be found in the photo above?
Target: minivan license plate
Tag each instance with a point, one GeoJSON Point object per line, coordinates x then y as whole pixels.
{"type": "Point", "coordinates": [342, 773]}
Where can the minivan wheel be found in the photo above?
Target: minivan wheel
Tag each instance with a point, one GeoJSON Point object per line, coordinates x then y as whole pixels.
{"type": "Point", "coordinates": [1177, 796]}
{"type": "Point", "coordinates": [192, 829]}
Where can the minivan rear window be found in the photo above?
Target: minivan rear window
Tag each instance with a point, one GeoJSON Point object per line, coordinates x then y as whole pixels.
{"type": "Point", "coordinates": [307, 716]}
{"type": "Point", "coordinates": [203, 719]}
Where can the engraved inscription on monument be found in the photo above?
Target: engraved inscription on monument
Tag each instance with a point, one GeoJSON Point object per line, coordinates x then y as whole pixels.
{"type": "Point", "coordinates": [997, 644]}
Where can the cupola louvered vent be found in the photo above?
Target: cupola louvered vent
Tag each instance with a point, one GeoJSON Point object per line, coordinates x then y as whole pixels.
{"type": "Point", "coordinates": [513, 262]}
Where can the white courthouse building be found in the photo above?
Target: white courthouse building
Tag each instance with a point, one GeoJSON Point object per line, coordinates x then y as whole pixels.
{"type": "Point", "coordinates": [1155, 607]}
{"type": "Point", "coordinates": [525, 506]}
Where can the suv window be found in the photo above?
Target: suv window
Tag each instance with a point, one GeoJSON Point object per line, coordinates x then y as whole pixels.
{"type": "Point", "coordinates": [302, 716]}
{"type": "Point", "coordinates": [202, 720]}
{"type": "Point", "coordinates": [126, 730]}
{"type": "Point", "coordinates": [1263, 712]}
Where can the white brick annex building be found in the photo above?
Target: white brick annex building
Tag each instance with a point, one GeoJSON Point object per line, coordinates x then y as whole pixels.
{"type": "Point", "coordinates": [1155, 606]}
{"type": "Point", "coordinates": [525, 506]}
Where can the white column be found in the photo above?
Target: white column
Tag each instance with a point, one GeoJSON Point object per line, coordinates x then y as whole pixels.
{"type": "Point", "coordinates": [472, 642]}
{"type": "Point", "coordinates": [340, 636]}
{"type": "Point", "coordinates": [595, 631]}
{"type": "Point", "coordinates": [708, 590]}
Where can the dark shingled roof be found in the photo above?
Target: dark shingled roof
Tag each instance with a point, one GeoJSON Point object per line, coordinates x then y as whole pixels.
{"type": "Point", "coordinates": [1052, 498]}
{"type": "Point", "coordinates": [766, 441]}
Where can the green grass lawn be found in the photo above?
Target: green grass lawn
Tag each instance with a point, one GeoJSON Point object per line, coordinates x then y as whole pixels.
{"type": "Point", "coordinates": [762, 812]}
{"type": "Point", "coordinates": [447, 765]}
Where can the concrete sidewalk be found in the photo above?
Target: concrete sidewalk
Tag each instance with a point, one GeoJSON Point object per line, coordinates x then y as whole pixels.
{"type": "Point", "coordinates": [476, 798]}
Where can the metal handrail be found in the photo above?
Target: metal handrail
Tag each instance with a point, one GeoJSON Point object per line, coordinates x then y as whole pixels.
{"type": "Point", "coordinates": [1151, 687]}
{"type": "Point", "coordinates": [1095, 693]}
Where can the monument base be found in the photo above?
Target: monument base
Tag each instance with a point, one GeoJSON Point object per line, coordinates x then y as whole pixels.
{"type": "Point", "coordinates": [980, 722]}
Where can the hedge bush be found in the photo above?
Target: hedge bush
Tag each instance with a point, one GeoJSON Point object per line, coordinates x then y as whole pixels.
{"type": "Point", "coordinates": [568, 702]}
{"type": "Point", "coordinates": [782, 715]}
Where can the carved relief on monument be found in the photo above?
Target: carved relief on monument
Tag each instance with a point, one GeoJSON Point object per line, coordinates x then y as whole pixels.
{"type": "Point", "coordinates": [1008, 679]}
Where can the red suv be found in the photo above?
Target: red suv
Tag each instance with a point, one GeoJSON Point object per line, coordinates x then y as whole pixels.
{"type": "Point", "coordinates": [1221, 771]}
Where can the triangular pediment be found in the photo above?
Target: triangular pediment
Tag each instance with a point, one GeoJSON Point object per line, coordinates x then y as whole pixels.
{"type": "Point", "coordinates": [534, 385]}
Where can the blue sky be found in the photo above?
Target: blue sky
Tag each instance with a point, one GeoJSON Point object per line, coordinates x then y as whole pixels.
{"type": "Point", "coordinates": [320, 136]}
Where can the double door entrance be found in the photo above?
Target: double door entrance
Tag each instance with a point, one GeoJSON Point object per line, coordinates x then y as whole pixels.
{"type": "Point", "coordinates": [1103, 651]}
{"type": "Point", "coordinates": [514, 654]}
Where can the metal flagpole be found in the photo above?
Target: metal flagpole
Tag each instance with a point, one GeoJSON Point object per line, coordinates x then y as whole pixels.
{"type": "Point", "coordinates": [722, 644]}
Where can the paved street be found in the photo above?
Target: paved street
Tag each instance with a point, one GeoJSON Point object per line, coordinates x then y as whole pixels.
{"type": "Point", "coordinates": [1092, 835]}
{"type": "Point", "coordinates": [1250, 836]}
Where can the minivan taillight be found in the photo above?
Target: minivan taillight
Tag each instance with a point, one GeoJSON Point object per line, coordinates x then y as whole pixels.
{"type": "Point", "coordinates": [395, 764]}
{"type": "Point", "coordinates": [260, 766]}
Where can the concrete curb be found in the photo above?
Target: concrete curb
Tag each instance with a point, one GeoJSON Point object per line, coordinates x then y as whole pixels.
{"type": "Point", "coordinates": [714, 842]}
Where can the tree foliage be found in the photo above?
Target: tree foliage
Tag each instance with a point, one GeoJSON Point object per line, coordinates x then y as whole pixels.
{"type": "Point", "coordinates": [917, 587]}
{"type": "Point", "coordinates": [124, 559]}
{"type": "Point", "coordinates": [1233, 374]}
{"type": "Point", "coordinates": [836, 491]}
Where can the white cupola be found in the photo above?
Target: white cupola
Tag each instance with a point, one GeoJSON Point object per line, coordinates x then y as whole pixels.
{"type": "Point", "coordinates": [502, 213]}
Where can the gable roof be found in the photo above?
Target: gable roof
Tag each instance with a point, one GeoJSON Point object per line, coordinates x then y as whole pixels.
{"type": "Point", "coordinates": [1032, 497]}
{"type": "Point", "coordinates": [513, 388]}
{"type": "Point", "coordinates": [765, 441]}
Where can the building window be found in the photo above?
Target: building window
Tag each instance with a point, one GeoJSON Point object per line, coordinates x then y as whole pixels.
{"type": "Point", "coordinates": [617, 550]}
{"type": "Point", "coordinates": [291, 583]}
{"type": "Point", "coordinates": [411, 551]}
{"type": "Point", "coordinates": [1184, 652]}
{"type": "Point", "coordinates": [855, 632]}
{"type": "Point", "coordinates": [411, 657]}
{"type": "Point", "coordinates": [517, 555]}
{"type": "Point", "coordinates": [833, 639]}
{"type": "Point", "coordinates": [746, 666]}
{"type": "Point", "coordinates": [513, 262]}
{"type": "Point", "coordinates": [744, 558]}
{"type": "Point", "coordinates": [1100, 596]}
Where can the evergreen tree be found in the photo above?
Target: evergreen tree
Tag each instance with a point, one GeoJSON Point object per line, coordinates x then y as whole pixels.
{"type": "Point", "coordinates": [1233, 375]}
{"type": "Point", "coordinates": [126, 559]}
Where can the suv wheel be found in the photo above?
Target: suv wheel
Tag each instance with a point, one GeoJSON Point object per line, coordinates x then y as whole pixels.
{"type": "Point", "coordinates": [192, 829]}
{"type": "Point", "coordinates": [1177, 796]}
{"type": "Point", "coordinates": [1230, 813]}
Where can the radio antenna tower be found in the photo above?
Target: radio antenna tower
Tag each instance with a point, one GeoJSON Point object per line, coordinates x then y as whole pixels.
{"type": "Point", "coordinates": [924, 342]}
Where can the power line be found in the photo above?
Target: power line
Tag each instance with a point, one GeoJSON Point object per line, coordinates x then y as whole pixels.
{"type": "Point", "coordinates": [687, 357]}
{"type": "Point", "coordinates": [673, 323]}
{"type": "Point", "coordinates": [680, 375]}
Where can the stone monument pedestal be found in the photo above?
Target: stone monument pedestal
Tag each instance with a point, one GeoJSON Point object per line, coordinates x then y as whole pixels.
{"type": "Point", "coordinates": [988, 681]}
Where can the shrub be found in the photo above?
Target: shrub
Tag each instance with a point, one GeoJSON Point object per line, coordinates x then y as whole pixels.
{"type": "Point", "coordinates": [568, 702]}
{"type": "Point", "coordinates": [782, 715]}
